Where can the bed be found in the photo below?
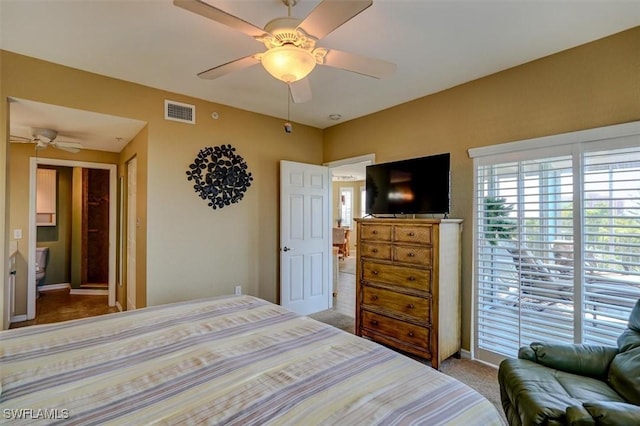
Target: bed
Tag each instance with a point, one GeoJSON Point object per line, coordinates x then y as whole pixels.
{"type": "Point", "coordinates": [233, 360]}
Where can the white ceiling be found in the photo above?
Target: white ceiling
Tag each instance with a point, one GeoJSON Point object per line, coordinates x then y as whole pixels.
{"type": "Point", "coordinates": [435, 44]}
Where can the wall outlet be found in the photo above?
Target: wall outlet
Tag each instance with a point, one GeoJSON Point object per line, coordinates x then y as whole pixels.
{"type": "Point", "coordinates": [17, 234]}
{"type": "Point", "coordinates": [237, 290]}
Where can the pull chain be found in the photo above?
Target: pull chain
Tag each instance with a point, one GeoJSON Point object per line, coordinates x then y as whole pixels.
{"type": "Point", "coordinates": [288, 128]}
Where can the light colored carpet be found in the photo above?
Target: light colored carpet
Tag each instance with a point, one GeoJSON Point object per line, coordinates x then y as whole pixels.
{"type": "Point", "coordinates": [481, 377]}
{"type": "Point", "coordinates": [336, 319]}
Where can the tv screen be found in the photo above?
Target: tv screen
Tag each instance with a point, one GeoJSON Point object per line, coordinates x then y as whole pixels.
{"type": "Point", "coordinates": [415, 186]}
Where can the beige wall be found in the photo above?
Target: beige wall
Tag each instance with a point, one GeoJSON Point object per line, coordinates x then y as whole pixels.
{"type": "Point", "coordinates": [192, 250]}
{"type": "Point", "coordinates": [593, 85]}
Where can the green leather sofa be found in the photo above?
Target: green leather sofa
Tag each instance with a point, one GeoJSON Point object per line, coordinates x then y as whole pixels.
{"type": "Point", "coordinates": [563, 384]}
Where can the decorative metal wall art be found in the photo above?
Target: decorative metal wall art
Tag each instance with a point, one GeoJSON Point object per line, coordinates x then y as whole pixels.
{"type": "Point", "coordinates": [219, 175]}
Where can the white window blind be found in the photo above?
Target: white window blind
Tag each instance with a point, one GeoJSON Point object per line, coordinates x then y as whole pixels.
{"type": "Point", "coordinates": [611, 197]}
{"type": "Point", "coordinates": [524, 221]}
{"type": "Point", "coordinates": [557, 253]}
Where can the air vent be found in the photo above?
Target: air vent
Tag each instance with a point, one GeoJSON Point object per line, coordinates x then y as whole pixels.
{"type": "Point", "coordinates": [178, 111]}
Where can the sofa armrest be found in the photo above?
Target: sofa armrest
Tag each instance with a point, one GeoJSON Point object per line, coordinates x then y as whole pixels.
{"type": "Point", "coordinates": [584, 360]}
{"type": "Point", "coordinates": [613, 413]}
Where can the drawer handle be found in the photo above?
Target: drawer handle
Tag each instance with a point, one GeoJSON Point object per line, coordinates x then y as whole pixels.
{"type": "Point", "coordinates": [412, 278]}
{"type": "Point", "coordinates": [374, 322]}
{"type": "Point", "coordinates": [410, 306]}
{"type": "Point", "coordinates": [374, 272]}
{"type": "Point", "coordinates": [410, 334]}
{"type": "Point", "coordinates": [411, 254]}
{"type": "Point", "coordinates": [374, 232]}
{"type": "Point", "coordinates": [411, 234]}
{"type": "Point", "coordinates": [375, 250]}
{"type": "Point", "coordinates": [374, 297]}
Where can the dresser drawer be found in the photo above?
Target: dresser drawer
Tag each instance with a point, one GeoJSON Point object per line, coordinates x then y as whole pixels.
{"type": "Point", "coordinates": [375, 250]}
{"type": "Point", "coordinates": [407, 333]}
{"type": "Point", "coordinates": [417, 255]}
{"type": "Point", "coordinates": [408, 277]}
{"type": "Point", "coordinates": [375, 232]}
{"type": "Point", "coordinates": [413, 306]}
{"type": "Point", "coordinates": [412, 234]}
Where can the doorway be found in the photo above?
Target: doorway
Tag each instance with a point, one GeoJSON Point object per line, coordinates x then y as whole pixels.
{"type": "Point", "coordinates": [110, 213]}
{"type": "Point", "coordinates": [348, 183]}
{"type": "Point", "coordinates": [94, 267]}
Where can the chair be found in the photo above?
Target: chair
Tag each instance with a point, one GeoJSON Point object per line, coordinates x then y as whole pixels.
{"type": "Point", "coordinates": [347, 239]}
{"type": "Point", "coordinates": [556, 384]}
{"type": "Point", "coordinates": [539, 280]}
{"type": "Point", "coordinates": [341, 241]}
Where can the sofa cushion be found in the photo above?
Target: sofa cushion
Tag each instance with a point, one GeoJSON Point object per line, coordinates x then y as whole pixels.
{"type": "Point", "coordinates": [582, 388]}
{"type": "Point", "coordinates": [624, 377]}
{"type": "Point", "coordinates": [613, 413]}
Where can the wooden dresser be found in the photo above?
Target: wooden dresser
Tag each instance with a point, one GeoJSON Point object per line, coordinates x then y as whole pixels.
{"type": "Point", "coordinates": [408, 285]}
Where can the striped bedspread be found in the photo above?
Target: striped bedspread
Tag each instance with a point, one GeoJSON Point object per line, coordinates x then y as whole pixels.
{"type": "Point", "coordinates": [232, 361]}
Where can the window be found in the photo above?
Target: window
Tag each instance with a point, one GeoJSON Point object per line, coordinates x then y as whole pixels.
{"type": "Point", "coordinates": [346, 209]}
{"type": "Point", "coordinates": [557, 240]}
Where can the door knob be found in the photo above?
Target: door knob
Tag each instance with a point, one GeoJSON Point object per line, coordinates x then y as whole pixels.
{"type": "Point", "coordinates": [286, 248]}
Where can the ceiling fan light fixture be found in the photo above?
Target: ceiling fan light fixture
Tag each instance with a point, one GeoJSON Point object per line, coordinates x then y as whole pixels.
{"type": "Point", "coordinates": [288, 63]}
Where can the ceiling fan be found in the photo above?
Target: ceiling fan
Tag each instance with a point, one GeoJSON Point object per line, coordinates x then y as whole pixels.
{"type": "Point", "coordinates": [291, 43]}
{"type": "Point", "coordinates": [43, 138]}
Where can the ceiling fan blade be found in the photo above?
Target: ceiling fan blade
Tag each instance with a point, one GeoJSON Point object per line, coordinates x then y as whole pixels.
{"type": "Point", "coordinates": [330, 14]}
{"type": "Point", "coordinates": [229, 67]}
{"type": "Point", "coordinates": [218, 15]}
{"type": "Point", "coordinates": [66, 148]}
{"type": "Point", "coordinates": [60, 144]}
{"type": "Point", "coordinates": [376, 68]}
{"type": "Point", "coordinates": [300, 91]}
{"type": "Point", "coordinates": [20, 139]}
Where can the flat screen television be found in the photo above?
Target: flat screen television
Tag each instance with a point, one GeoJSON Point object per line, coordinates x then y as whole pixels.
{"type": "Point", "coordinates": [414, 186]}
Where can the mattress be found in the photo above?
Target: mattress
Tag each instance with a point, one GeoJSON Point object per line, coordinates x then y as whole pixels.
{"type": "Point", "coordinates": [233, 361]}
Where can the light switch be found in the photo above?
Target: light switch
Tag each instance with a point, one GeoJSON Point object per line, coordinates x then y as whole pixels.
{"type": "Point", "coordinates": [17, 234]}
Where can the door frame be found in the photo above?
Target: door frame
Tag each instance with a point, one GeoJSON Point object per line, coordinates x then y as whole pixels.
{"type": "Point", "coordinates": [31, 272]}
{"type": "Point", "coordinates": [371, 159]}
{"type": "Point", "coordinates": [131, 223]}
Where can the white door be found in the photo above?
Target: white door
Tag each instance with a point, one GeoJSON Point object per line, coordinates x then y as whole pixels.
{"type": "Point", "coordinates": [132, 170]}
{"type": "Point", "coordinates": [304, 237]}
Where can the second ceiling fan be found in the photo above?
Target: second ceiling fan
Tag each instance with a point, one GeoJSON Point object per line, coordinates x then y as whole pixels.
{"type": "Point", "coordinates": [291, 44]}
{"type": "Point", "coordinates": [43, 138]}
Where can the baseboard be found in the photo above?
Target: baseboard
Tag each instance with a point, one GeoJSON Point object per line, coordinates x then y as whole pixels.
{"type": "Point", "coordinates": [50, 287]}
{"type": "Point", "coordinates": [89, 292]}
{"type": "Point", "coordinates": [465, 354]}
{"type": "Point", "coordinates": [18, 318]}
